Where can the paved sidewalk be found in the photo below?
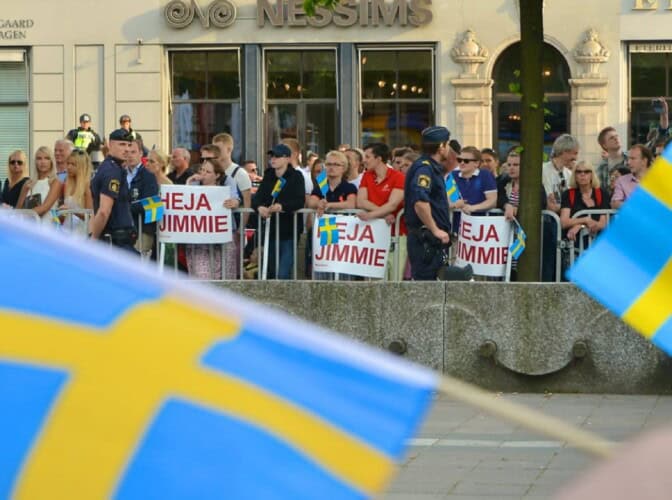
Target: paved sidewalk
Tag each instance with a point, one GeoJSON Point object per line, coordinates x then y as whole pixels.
{"type": "Point", "coordinates": [461, 453]}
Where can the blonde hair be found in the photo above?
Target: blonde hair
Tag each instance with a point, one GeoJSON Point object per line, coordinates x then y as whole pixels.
{"type": "Point", "coordinates": [342, 157]}
{"type": "Point", "coordinates": [584, 165]}
{"type": "Point", "coordinates": [224, 138]}
{"type": "Point", "coordinates": [162, 158]}
{"type": "Point", "coordinates": [52, 171]}
{"type": "Point", "coordinates": [78, 186]}
{"type": "Point", "coordinates": [22, 156]}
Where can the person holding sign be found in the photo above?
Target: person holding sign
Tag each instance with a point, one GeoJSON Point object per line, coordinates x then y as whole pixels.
{"type": "Point", "coordinates": [274, 196]}
{"type": "Point", "coordinates": [426, 206]}
{"type": "Point", "coordinates": [212, 173]}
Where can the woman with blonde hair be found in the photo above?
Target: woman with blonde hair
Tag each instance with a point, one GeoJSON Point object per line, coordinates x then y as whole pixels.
{"type": "Point", "coordinates": [584, 193]}
{"type": "Point", "coordinates": [77, 193]}
{"type": "Point", "coordinates": [43, 189]}
{"type": "Point", "coordinates": [157, 164]}
{"type": "Point", "coordinates": [17, 168]}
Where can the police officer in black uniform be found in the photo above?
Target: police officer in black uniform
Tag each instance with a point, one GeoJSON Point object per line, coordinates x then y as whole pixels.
{"type": "Point", "coordinates": [112, 221]}
{"type": "Point", "coordinates": [426, 206]}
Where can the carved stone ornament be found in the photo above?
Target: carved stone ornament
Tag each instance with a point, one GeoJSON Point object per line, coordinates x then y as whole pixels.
{"type": "Point", "coordinates": [180, 13]}
{"type": "Point", "coordinates": [470, 54]}
{"type": "Point", "coordinates": [590, 54]}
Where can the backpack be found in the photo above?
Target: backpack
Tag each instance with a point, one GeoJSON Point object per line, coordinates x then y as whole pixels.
{"type": "Point", "coordinates": [572, 197]}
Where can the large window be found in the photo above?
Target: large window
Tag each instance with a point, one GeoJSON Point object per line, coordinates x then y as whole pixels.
{"type": "Point", "coordinates": [13, 105]}
{"type": "Point", "coordinates": [507, 107]}
{"type": "Point", "coordinates": [301, 96]}
{"type": "Point", "coordinates": [650, 77]}
{"type": "Point", "coordinates": [205, 97]}
{"type": "Point", "coordinates": [396, 93]}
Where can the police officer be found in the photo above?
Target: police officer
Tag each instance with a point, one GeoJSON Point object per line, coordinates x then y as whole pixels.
{"type": "Point", "coordinates": [426, 206]}
{"type": "Point", "coordinates": [112, 220]}
{"type": "Point", "coordinates": [84, 137]}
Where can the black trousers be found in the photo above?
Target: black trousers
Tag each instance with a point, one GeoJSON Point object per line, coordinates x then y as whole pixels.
{"type": "Point", "coordinates": [424, 265]}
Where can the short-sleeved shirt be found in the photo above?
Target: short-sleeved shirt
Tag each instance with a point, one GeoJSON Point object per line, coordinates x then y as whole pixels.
{"type": "Point", "coordinates": [425, 182]}
{"type": "Point", "coordinates": [624, 187]}
{"type": "Point", "coordinates": [341, 193]}
{"type": "Point", "coordinates": [242, 178]}
{"type": "Point", "coordinates": [473, 189]}
{"type": "Point", "coordinates": [110, 180]}
{"type": "Point", "coordinates": [379, 193]}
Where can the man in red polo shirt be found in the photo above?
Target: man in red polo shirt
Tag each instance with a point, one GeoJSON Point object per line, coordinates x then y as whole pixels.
{"type": "Point", "coordinates": [381, 194]}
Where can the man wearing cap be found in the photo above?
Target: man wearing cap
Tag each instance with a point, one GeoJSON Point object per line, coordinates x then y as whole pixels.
{"type": "Point", "coordinates": [290, 199]}
{"type": "Point", "coordinates": [426, 206]}
{"type": "Point", "coordinates": [84, 137]}
{"type": "Point", "coordinates": [112, 220]}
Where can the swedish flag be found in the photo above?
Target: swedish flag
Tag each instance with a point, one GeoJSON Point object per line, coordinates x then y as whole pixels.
{"type": "Point", "coordinates": [452, 191]}
{"type": "Point", "coordinates": [154, 207]}
{"type": "Point", "coordinates": [279, 184]}
{"type": "Point", "coordinates": [518, 246]}
{"type": "Point", "coordinates": [322, 182]}
{"type": "Point", "coordinates": [328, 231]}
{"type": "Point", "coordinates": [629, 268]}
{"type": "Point", "coordinates": [129, 385]}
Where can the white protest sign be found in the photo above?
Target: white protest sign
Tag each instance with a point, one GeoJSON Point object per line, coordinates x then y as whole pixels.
{"type": "Point", "coordinates": [484, 243]}
{"type": "Point", "coordinates": [361, 250]}
{"type": "Point", "coordinates": [195, 214]}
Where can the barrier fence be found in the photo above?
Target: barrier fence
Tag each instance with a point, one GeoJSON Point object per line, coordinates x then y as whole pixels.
{"type": "Point", "coordinates": [563, 251]}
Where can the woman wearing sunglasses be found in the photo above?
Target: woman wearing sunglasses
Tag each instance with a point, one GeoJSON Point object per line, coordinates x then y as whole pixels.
{"type": "Point", "coordinates": [17, 166]}
{"type": "Point", "coordinates": [584, 193]}
{"type": "Point", "coordinates": [43, 190]}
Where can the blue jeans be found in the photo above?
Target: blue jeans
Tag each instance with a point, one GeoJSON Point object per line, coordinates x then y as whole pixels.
{"type": "Point", "coordinates": [285, 268]}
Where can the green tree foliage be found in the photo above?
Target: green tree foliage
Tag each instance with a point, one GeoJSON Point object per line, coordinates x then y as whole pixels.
{"type": "Point", "coordinates": [309, 5]}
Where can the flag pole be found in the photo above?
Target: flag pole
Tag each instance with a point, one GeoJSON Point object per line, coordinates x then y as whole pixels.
{"type": "Point", "coordinates": [527, 417]}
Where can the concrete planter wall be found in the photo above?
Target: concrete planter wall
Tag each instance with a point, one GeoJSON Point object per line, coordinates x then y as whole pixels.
{"type": "Point", "coordinates": [502, 336]}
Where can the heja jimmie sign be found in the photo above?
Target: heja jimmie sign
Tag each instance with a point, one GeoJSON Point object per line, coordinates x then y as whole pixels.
{"type": "Point", "coordinates": [195, 214]}
{"type": "Point", "coordinates": [484, 243]}
{"type": "Point", "coordinates": [353, 247]}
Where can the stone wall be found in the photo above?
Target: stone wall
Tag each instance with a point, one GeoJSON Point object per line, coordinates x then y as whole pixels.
{"type": "Point", "coordinates": [502, 336]}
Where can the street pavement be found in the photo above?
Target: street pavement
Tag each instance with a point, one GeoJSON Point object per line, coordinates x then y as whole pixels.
{"type": "Point", "coordinates": [462, 453]}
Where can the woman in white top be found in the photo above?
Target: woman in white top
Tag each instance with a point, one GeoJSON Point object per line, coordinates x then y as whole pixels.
{"type": "Point", "coordinates": [43, 182]}
{"type": "Point", "coordinates": [77, 191]}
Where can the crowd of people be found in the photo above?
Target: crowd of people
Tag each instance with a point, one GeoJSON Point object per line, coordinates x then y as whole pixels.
{"type": "Point", "coordinates": [375, 182]}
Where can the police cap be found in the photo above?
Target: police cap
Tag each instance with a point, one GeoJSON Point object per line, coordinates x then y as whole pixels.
{"type": "Point", "coordinates": [435, 135]}
{"type": "Point", "coordinates": [121, 134]}
{"type": "Point", "coordinates": [85, 118]}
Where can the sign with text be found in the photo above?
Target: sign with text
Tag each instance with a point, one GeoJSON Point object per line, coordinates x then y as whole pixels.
{"type": "Point", "coordinates": [484, 243]}
{"type": "Point", "coordinates": [195, 214]}
{"type": "Point", "coordinates": [357, 247]}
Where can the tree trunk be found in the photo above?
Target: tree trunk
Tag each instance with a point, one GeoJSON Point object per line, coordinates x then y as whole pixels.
{"type": "Point", "coordinates": [532, 135]}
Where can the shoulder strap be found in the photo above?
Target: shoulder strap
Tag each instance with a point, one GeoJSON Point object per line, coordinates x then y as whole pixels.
{"type": "Point", "coordinates": [572, 197]}
{"type": "Point", "coordinates": [235, 171]}
{"type": "Point", "coordinates": [598, 197]}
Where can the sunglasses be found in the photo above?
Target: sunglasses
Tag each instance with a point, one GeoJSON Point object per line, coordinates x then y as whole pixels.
{"type": "Point", "coordinates": [583, 171]}
{"type": "Point", "coordinates": [466, 160]}
{"type": "Point", "coordinates": [16, 162]}
{"type": "Point", "coordinates": [334, 165]}
{"type": "Point", "coordinates": [206, 158]}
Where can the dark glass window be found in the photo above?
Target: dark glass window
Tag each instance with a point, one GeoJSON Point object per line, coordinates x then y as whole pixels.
{"type": "Point", "coordinates": [396, 95]}
{"type": "Point", "coordinates": [301, 95]}
{"type": "Point", "coordinates": [649, 78]}
{"type": "Point", "coordinates": [507, 107]}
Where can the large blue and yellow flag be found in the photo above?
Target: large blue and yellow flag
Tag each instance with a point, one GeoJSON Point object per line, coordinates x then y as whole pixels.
{"type": "Point", "coordinates": [125, 384]}
{"type": "Point", "coordinates": [153, 206]}
{"type": "Point", "coordinates": [629, 267]}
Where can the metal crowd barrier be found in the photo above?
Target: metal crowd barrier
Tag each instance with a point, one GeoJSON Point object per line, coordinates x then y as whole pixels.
{"type": "Point", "coordinates": [584, 236]}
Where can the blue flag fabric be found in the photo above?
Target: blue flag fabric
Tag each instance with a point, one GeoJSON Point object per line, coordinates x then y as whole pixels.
{"type": "Point", "coordinates": [322, 182]}
{"type": "Point", "coordinates": [518, 246]}
{"type": "Point", "coordinates": [159, 388]}
{"type": "Point", "coordinates": [154, 208]}
{"type": "Point", "coordinates": [629, 267]}
{"type": "Point", "coordinates": [279, 184]}
{"type": "Point", "coordinates": [328, 231]}
{"type": "Point", "coordinates": [452, 190]}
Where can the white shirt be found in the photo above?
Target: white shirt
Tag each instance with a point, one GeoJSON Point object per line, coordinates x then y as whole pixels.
{"type": "Point", "coordinates": [242, 178]}
{"type": "Point", "coordinates": [552, 179]}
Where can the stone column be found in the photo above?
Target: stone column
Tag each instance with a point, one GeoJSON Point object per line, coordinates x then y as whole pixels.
{"type": "Point", "coordinates": [473, 94]}
{"type": "Point", "coordinates": [589, 95]}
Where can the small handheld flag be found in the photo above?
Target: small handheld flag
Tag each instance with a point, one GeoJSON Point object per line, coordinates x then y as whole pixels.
{"type": "Point", "coordinates": [55, 219]}
{"type": "Point", "coordinates": [629, 267]}
{"type": "Point", "coordinates": [518, 246]}
{"type": "Point", "coordinates": [451, 189]}
{"type": "Point", "coordinates": [328, 231]}
{"type": "Point", "coordinates": [322, 182]}
{"type": "Point", "coordinates": [279, 184]}
{"type": "Point", "coordinates": [153, 206]}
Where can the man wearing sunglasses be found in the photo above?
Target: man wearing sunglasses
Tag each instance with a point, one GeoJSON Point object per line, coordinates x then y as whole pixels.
{"type": "Point", "coordinates": [112, 220]}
